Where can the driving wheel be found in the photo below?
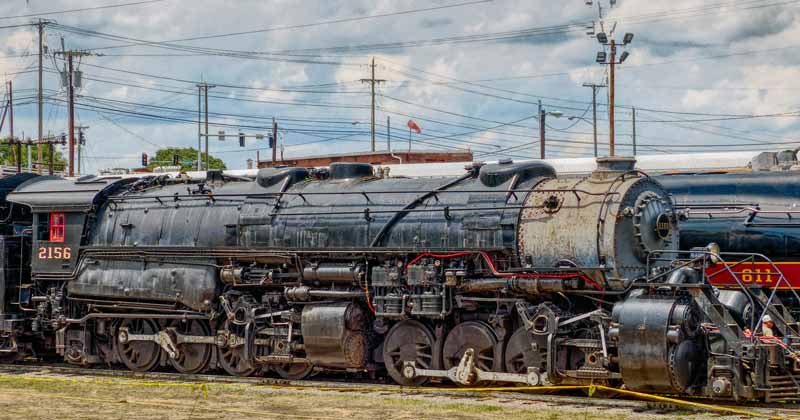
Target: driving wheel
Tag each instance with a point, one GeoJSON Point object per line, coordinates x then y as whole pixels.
{"type": "Point", "coordinates": [408, 341]}
{"type": "Point", "coordinates": [192, 357]}
{"type": "Point", "coordinates": [232, 357]}
{"type": "Point", "coordinates": [138, 356]}
{"type": "Point", "coordinates": [476, 335]}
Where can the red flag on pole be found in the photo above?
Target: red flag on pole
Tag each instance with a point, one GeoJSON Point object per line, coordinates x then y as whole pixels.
{"type": "Point", "coordinates": [413, 126]}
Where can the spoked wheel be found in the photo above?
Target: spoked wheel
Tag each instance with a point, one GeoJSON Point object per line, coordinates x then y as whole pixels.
{"type": "Point", "coordinates": [294, 371]}
{"type": "Point", "coordinates": [192, 358]}
{"type": "Point", "coordinates": [474, 335]}
{"type": "Point", "coordinates": [232, 358]}
{"type": "Point", "coordinates": [520, 354]}
{"type": "Point", "coordinates": [138, 356]}
{"type": "Point", "coordinates": [408, 341]}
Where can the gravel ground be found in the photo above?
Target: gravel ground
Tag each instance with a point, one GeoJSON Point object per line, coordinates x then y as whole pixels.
{"type": "Point", "coordinates": [46, 396]}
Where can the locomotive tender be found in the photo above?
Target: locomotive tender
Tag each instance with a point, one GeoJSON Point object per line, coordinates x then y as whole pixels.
{"type": "Point", "coordinates": [507, 273]}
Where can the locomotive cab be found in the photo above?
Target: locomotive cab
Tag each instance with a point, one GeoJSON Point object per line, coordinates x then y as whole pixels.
{"type": "Point", "coordinates": [56, 238]}
{"type": "Point", "coordinates": [60, 211]}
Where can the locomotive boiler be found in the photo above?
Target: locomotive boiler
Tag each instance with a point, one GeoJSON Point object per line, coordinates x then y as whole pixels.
{"type": "Point", "coordinates": [508, 273]}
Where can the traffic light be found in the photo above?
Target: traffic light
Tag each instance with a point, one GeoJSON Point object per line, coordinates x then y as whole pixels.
{"type": "Point", "coordinates": [81, 137]}
{"type": "Point", "coordinates": [271, 142]}
{"type": "Point", "coordinates": [241, 139]}
{"type": "Point", "coordinates": [144, 159]}
{"type": "Point", "coordinates": [63, 138]}
{"type": "Point", "coordinates": [176, 159]}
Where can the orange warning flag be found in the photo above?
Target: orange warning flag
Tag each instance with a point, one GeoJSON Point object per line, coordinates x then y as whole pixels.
{"type": "Point", "coordinates": [413, 126]}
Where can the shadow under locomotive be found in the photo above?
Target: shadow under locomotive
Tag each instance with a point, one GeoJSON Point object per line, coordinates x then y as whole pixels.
{"type": "Point", "coordinates": [508, 273]}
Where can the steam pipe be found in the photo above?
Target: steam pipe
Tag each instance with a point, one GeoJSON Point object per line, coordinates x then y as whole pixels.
{"type": "Point", "coordinates": [303, 293]}
{"type": "Point", "coordinates": [531, 286]}
{"type": "Point", "coordinates": [683, 275]}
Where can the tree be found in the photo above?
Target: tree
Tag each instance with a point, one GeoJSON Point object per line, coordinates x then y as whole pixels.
{"type": "Point", "coordinates": [59, 162]}
{"type": "Point", "coordinates": [187, 159]}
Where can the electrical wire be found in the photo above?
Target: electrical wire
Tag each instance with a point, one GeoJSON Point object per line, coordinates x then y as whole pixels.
{"type": "Point", "coordinates": [85, 9]}
{"type": "Point", "coordinates": [307, 25]}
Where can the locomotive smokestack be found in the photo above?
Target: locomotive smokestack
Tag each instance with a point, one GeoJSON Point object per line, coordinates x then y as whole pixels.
{"type": "Point", "coordinates": [613, 165]}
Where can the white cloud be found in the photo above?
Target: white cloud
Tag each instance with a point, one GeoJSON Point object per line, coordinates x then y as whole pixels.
{"type": "Point", "coordinates": [672, 33]}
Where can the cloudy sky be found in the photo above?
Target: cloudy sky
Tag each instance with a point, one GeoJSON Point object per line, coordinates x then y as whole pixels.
{"type": "Point", "coordinates": [702, 75]}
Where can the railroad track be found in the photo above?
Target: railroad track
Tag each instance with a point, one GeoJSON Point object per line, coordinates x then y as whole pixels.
{"type": "Point", "coordinates": [782, 411]}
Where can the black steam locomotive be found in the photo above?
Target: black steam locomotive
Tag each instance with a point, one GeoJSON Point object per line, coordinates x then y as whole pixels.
{"type": "Point", "coordinates": [745, 212]}
{"type": "Point", "coordinates": [508, 273]}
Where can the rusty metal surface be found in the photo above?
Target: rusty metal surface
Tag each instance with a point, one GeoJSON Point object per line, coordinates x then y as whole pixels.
{"type": "Point", "coordinates": [596, 231]}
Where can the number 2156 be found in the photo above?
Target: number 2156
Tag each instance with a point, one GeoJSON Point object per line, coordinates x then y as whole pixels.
{"type": "Point", "coordinates": [55, 253]}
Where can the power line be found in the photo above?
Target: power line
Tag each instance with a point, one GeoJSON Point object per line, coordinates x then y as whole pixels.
{"type": "Point", "coordinates": [306, 25]}
{"type": "Point", "coordinates": [206, 51]}
{"type": "Point", "coordinates": [219, 84]}
{"type": "Point", "coordinates": [568, 27]}
{"type": "Point", "coordinates": [732, 116]}
{"type": "Point", "coordinates": [61, 12]}
{"type": "Point", "coordinates": [187, 112]}
{"type": "Point", "coordinates": [508, 35]}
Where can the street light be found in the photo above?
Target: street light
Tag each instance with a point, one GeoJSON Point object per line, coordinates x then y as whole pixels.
{"type": "Point", "coordinates": [627, 38]}
{"type": "Point", "coordinates": [542, 115]}
{"type": "Point", "coordinates": [601, 57]}
{"type": "Point", "coordinates": [572, 117]}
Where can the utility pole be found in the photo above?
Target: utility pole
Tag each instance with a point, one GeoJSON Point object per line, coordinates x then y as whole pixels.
{"type": "Point", "coordinates": [40, 96]}
{"type": "Point", "coordinates": [372, 81]}
{"type": "Point", "coordinates": [633, 109]}
{"type": "Point", "coordinates": [388, 134]}
{"type": "Point", "coordinates": [202, 91]}
{"type": "Point", "coordinates": [11, 141]}
{"type": "Point", "coordinates": [199, 128]}
{"type": "Point", "coordinates": [205, 109]}
{"type": "Point", "coordinates": [594, 111]}
{"type": "Point", "coordinates": [541, 131]}
{"type": "Point", "coordinates": [81, 142]}
{"type": "Point", "coordinates": [409, 139]}
{"type": "Point", "coordinates": [612, 62]}
{"type": "Point", "coordinates": [51, 149]}
{"type": "Point", "coordinates": [71, 117]}
{"type": "Point", "coordinates": [274, 141]}
{"type": "Point", "coordinates": [10, 107]}
{"type": "Point", "coordinates": [71, 93]}
{"type": "Point", "coordinates": [30, 157]}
